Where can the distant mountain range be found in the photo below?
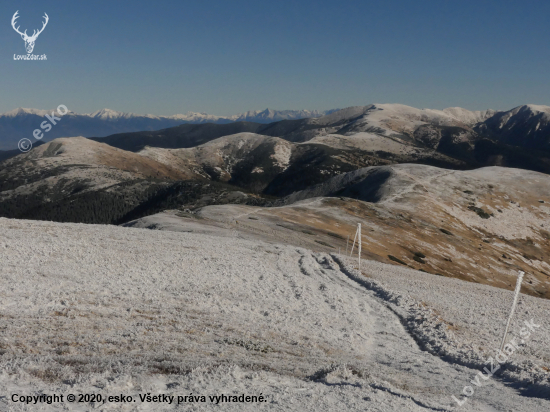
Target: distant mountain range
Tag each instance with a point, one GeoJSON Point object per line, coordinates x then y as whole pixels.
{"type": "Point", "coordinates": [20, 123]}
{"type": "Point", "coordinates": [128, 175]}
{"type": "Point", "coordinates": [525, 126]}
{"type": "Point", "coordinates": [451, 138]}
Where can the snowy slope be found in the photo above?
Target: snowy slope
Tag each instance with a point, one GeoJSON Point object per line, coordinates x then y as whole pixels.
{"type": "Point", "coordinates": [390, 119]}
{"type": "Point", "coordinates": [110, 310]}
{"type": "Point", "coordinates": [220, 158]}
{"type": "Point", "coordinates": [525, 126]}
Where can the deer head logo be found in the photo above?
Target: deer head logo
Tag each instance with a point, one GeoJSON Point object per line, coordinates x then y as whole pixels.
{"type": "Point", "coordinates": [29, 40]}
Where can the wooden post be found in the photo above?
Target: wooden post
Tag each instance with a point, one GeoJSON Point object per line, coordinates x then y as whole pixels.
{"type": "Point", "coordinates": [347, 245]}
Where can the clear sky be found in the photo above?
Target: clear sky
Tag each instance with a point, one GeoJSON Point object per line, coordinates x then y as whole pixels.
{"type": "Point", "coordinates": [226, 57]}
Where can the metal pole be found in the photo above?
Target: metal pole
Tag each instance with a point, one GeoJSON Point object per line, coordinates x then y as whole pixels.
{"type": "Point", "coordinates": [516, 295]}
{"type": "Point", "coordinates": [353, 246]}
{"type": "Point", "coordinates": [347, 245]}
{"type": "Point", "coordinates": [360, 241]}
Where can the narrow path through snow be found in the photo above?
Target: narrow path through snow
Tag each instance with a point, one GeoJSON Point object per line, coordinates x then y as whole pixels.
{"type": "Point", "coordinates": [397, 358]}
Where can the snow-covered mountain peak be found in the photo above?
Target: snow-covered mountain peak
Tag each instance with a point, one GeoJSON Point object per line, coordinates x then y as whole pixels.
{"type": "Point", "coordinates": [108, 114]}
{"type": "Point", "coordinates": [525, 112]}
{"type": "Point", "coordinates": [534, 108]}
{"type": "Point", "coordinates": [23, 111]}
{"type": "Point", "coordinates": [195, 117]}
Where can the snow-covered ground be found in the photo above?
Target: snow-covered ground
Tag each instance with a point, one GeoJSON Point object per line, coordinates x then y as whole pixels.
{"type": "Point", "coordinates": [111, 310]}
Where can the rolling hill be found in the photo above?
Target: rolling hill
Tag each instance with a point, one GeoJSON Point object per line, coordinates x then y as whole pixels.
{"type": "Point", "coordinates": [81, 180]}
{"type": "Point", "coordinates": [469, 138]}
{"type": "Point", "coordinates": [481, 225]}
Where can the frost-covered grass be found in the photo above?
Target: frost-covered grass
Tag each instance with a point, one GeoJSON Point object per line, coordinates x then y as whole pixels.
{"type": "Point", "coordinates": [103, 309]}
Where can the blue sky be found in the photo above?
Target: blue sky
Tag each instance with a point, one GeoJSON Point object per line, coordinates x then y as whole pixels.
{"type": "Point", "coordinates": [226, 57]}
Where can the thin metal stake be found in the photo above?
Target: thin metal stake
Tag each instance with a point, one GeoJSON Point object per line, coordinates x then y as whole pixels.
{"type": "Point", "coordinates": [516, 295]}
{"type": "Point", "coordinates": [359, 244]}
{"type": "Point", "coordinates": [353, 246]}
